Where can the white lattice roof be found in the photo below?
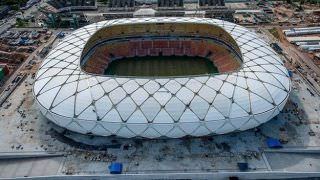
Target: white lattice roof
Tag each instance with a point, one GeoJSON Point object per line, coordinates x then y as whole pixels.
{"type": "Point", "coordinates": [164, 106]}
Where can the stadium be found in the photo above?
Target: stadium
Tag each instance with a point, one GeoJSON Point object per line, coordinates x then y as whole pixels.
{"type": "Point", "coordinates": [161, 77]}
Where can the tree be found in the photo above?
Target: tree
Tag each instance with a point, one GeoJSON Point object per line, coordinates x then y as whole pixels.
{"type": "Point", "coordinates": [20, 22]}
{"type": "Point", "coordinates": [104, 1]}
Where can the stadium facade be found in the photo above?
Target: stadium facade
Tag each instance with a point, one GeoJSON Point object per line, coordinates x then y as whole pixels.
{"type": "Point", "coordinates": [252, 85]}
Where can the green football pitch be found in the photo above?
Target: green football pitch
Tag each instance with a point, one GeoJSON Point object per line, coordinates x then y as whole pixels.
{"type": "Point", "coordinates": [161, 66]}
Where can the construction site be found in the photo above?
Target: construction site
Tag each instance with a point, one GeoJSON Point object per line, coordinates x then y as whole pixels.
{"type": "Point", "coordinates": [34, 142]}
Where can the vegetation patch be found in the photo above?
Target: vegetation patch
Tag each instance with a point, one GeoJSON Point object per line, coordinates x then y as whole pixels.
{"type": "Point", "coordinates": [274, 32]}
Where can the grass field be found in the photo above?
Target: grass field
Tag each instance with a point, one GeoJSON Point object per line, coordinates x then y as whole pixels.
{"type": "Point", "coordinates": [161, 66]}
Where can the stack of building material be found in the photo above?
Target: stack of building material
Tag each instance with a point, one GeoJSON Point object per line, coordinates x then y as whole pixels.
{"type": "Point", "coordinates": [303, 39]}
{"type": "Point", "coordinates": [307, 43]}
{"type": "Point", "coordinates": [302, 31]}
{"type": "Point", "coordinates": [310, 47]}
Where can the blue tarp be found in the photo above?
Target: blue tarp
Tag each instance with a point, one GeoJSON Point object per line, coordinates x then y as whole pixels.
{"type": "Point", "coordinates": [243, 166]}
{"type": "Point", "coordinates": [115, 168]}
{"type": "Point", "coordinates": [274, 143]}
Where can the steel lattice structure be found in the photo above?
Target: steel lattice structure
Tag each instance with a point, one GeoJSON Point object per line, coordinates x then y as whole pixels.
{"type": "Point", "coordinates": [166, 106]}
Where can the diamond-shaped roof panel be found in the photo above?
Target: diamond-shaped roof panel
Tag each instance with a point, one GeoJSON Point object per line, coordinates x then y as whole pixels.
{"type": "Point", "coordinates": [162, 106]}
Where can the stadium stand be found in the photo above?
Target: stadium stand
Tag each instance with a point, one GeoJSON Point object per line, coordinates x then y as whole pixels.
{"type": "Point", "coordinates": [100, 56]}
{"type": "Point", "coordinates": [171, 29]}
{"type": "Point", "coordinates": [141, 40]}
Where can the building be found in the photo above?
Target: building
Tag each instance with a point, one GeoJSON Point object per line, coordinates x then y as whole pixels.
{"type": "Point", "coordinates": [73, 5]}
{"type": "Point", "coordinates": [170, 3]}
{"type": "Point", "coordinates": [211, 2]}
{"type": "Point", "coordinates": [121, 3]}
{"type": "Point", "coordinates": [169, 8]}
{"type": "Point", "coordinates": [29, 4]}
{"type": "Point", "coordinates": [251, 88]}
{"type": "Point", "coordinates": [220, 12]}
{"type": "Point", "coordinates": [216, 9]}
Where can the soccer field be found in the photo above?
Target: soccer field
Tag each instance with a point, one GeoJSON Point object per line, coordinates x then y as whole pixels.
{"type": "Point", "coordinates": [161, 66]}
